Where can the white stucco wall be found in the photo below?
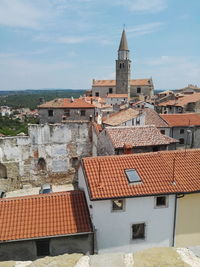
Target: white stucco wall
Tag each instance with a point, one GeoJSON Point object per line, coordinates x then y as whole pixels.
{"type": "Point", "coordinates": [113, 229]}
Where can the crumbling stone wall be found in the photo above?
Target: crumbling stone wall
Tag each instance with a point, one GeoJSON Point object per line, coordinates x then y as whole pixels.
{"type": "Point", "coordinates": [51, 153]}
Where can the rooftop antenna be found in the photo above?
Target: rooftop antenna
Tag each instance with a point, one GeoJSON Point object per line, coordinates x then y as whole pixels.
{"type": "Point", "coordinates": [188, 131]}
{"type": "Point", "coordinates": [173, 174]}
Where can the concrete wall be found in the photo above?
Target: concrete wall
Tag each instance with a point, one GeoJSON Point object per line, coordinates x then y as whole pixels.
{"type": "Point", "coordinates": [75, 114]}
{"type": "Point", "coordinates": [59, 145]}
{"type": "Point", "coordinates": [145, 90]}
{"type": "Point", "coordinates": [27, 250]}
{"type": "Point", "coordinates": [102, 90]}
{"type": "Point", "coordinates": [188, 218]}
{"type": "Point", "coordinates": [113, 229]}
{"type": "Point", "coordinates": [115, 100]}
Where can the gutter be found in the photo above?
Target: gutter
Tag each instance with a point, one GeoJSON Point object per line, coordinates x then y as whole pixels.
{"type": "Point", "coordinates": [44, 237]}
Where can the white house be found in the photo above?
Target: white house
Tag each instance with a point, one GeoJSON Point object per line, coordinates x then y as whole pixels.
{"type": "Point", "coordinates": [131, 200]}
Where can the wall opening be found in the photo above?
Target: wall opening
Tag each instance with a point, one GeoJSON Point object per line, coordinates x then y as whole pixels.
{"type": "Point", "coordinates": [3, 171]}
{"type": "Point", "coordinates": [41, 165]}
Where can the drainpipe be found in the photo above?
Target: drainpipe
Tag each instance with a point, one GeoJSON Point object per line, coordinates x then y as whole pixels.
{"type": "Point", "coordinates": [174, 224]}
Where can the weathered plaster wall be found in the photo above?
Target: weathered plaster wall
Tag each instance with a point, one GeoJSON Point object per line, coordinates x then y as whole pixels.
{"type": "Point", "coordinates": [61, 146]}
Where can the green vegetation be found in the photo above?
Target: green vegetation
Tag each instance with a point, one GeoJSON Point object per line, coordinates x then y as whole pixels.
{"type": "Point", "coordinates": [10, 126]}
{"type": "Point", "coordinates": [31, 98]}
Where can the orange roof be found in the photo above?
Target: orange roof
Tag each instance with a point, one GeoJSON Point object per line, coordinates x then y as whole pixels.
{"type": "Point", "coordinates": [182, 101]}
{"type": "Point", "coordinates": [117, 95]}
{"type": "Point", "coordinates": [153, 118]}
{"type": "Point", "coordinates": [44, 215]}
{"type": "Point", "coordinates": [67, 103]}
{"type": "Point", "coordinates": [184, 119]}
{"type": "Point", "coordinates": [137, 136]}
{"type": "Point", "coordinates": [137, 82]}
{"type": "Point", "coordinates": [121, 117]}
{"type": "Point", "coordinates": [106, 176]}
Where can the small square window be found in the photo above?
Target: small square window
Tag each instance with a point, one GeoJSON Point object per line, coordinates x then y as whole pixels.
{"type": "Point", "coordinates": [133, 176]}
{"type": "Point", "coordinates": [67, 112]}
{"type": "Point", "coordinates": [110, 90]}
{"type": "Point", "coordinates": [117, 204]}
{"type": "Point", "coordinates": [162, 131]}
{"type": "Point", "coordinates": [42, 247]}
{"type": "Point", "coordinates": [182, 131]}
{"type": "Point", "coordinates": [138, 231]}
{"type": "Point", "coordinates": [138, 90]}
{"type": "Point", "coordinates": [161, 202]}
{"type": "Point", "coordinates": [50, 112]}
{"type": "Point", "coordinates": [82, 112]}
{"type": "Point", "coordinates": [181, 141]}
{"type": "Point", "coordinates": [97, 94]}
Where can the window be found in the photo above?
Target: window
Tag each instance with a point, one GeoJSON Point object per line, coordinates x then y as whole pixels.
{"type": "Point", "coordinates": [120, 65]}
{"type": "Point", "coordinates": [181, 141]}
{"type": "Point", "coordinates": [138, 231]}
{"type": "Point", "coordinates": [182, 131]}
{"type": "Point", "coordinates": [42, 247]}
{"type": "Point", "coordinates": [155, 148]}
{"type": "Point", "coordinates": [97, 94]}
{"type": "Point", "coordinates": [162, 131]}
{"type": "Point", "coordinates": [3, 171]}
{"type": "Point", "coordinates": [161, 202]}
{"type": "Point", "coordinates": [41, 164]}
{"type": "Point", "coordinates": [138, 90]}
{"type": "Point", "coordinates": [50, 112]}
{"type": "Point", "coordinates": [110, 90]}
{"type": "Point", "coordinates": [137, 121]}
{"type": "Point", "coordinates": [132, 176]}
{"type": "Point", "coordinates": [82, 112]}
{"type": "Point", "coordinates": [117, 204]}
{"type": "Point", "coordinates": [67, 112]}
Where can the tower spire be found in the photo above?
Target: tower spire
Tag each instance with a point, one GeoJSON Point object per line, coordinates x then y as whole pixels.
{"type": "Point", "coordinates": [123, 43]}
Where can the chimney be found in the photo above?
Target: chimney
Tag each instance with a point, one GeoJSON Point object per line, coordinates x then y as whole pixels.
{"type": "Point", "coordinates": [72, 99]}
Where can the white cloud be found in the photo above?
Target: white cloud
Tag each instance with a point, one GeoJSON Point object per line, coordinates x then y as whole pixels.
{"type": "Point", "coordinates": [144, 29]}
{"type": "Point", "coordinates": [72, 39]}
{"type": "Point", "coordinates": [144, 5]}
{"type": "Point", "coordinates": [19, 13]}
{"type": "Point", "coordinates": [173, 71]}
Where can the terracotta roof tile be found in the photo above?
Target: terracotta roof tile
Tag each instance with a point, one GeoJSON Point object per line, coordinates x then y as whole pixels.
{"type": "Point", "coordinates": [66, 103]}
{"type": "Point", "coordinates": [185, 119]}
{"type": "Point", "coordinates": [44, 215]}
{"type": "Point", "coordinates": [117, 96]}
{"type": "Point", "coordinates": [153, 118]}
{"type": "Point", "coordinates": [137, 82]}
{"type": "Point", "coordinates": [182, 101]}
{"type": "Point", "coordinates": [137, 136]}
{"type": "Point", "coordinates": [106, 177]}
{"type": "Point", "coordinates": [121, 117]}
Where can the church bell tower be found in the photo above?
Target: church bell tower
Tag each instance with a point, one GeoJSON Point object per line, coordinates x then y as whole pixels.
{"type": "Point", "coordinates": [123, 67]}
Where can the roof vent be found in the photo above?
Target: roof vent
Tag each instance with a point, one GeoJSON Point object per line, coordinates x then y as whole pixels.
{"type": "Point", "coordinates": [133, 176]}
{"type": "Point", "coordinates": [72, 99]}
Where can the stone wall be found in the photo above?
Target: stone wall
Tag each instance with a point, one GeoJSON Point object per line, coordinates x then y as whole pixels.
{"type": "Point", "coordinates": [51, 153]}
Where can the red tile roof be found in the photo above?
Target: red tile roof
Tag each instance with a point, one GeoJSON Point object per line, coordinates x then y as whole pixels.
{"type": "Point", "coordinates": [164, 172]}
{"type": "Point", "coordinates": [137, 82]}
{"type": "Point", "coordinates": [185, 119]}
{"type": "Point", "coordinates": [121, 117]}
{"type": "Point", "coordinates": [44, 215]}
{"type": "Point", "coordinates": [137, 136]}
{"type": "Point", "coordinates": [182, 101]}
{"type": "Point", "coordinates": [117, 96]}
{"type": "Point", "coordinates": [153, 118]}
{"type": "Point", "coordinates": [66, 103]}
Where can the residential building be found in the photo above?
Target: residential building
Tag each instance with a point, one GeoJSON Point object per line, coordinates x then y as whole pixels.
{"type": "Point", "coordinates": [64, 109]}
{"type": "Point", "coordinates": [45, 224]}
{"type": "Point", "coordinates": [187, 103]}
{"type": "Point", "coordinates": [190, 89]}
{"type": "Point", "coordinates": [125, 117]}
{"type": "Point", "coordinates": [123, 84]}
{"type": "Point", "coordinates": [144, 198]}
{"type": "Point", "coordinates": [184, 127]}
{"type": "Point", "coordinates": [133, 139]}
{"type": "Point", "coordinates": [116, 99]}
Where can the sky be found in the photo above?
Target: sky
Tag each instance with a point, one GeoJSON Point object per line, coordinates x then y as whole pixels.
{"type": "Point", "coordinates": [67, 43]}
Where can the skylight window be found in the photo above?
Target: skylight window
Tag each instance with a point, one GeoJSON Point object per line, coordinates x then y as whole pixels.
{"type": "Point", "coordinates": [133, 176]}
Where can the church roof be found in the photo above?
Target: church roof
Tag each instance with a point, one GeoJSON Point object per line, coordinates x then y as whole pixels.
{"type": "Point", "coordinates": [123, 43]}
{"type": "Point", "coordinates": [137, 82]}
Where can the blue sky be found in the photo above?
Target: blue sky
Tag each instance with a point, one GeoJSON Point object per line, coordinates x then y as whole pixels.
{"type": "Point", "coordinates": [67, 43]}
